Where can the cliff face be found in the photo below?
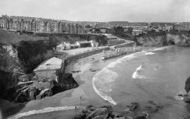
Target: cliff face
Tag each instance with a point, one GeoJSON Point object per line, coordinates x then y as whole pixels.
{"type": "Point", "coordinates": [20, 54]}
{"type": "Point", "coordinates": [163, 39]}
{"type": "Point", "coordinates": [178, 39]}
{"type": "Point", "coordinates": [152, 40]}
{"type": "Point", "coordinates": [9, 65]}
{"type": "Point", "coordinates": [19, 58]}
{"type": "Point", "coordinates": [32, 53]}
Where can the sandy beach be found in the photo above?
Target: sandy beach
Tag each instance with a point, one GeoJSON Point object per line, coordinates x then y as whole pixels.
{"type": "Point", "coordinates": [83, 70]}
{"type": "Point", "coordinates": [65, 103]}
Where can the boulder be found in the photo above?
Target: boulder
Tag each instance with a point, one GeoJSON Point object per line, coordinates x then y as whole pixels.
{"type": "Point", "coordinates": [99, 113]}
{"type": "Point", "coordinates": [143, 115]}
{"type": "Point", "coordinates": [132, 107]}
{"type": "Point", "coordinates": [65, 82]}
{"type": "Point", "coordinates": [187, 85]}
{"type": "Point", "coordinates": [91, 112]}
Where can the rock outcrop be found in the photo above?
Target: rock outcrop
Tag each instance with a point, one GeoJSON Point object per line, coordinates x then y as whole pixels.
{"type": "Point", "coordinates": [16, 65]}
{"type": "Point", "coordinates": [163, 39]}
{"type": "Point", "coordinates": [187, 85]}
{"type": "Point", "coordinates": [36, 89]}
{"type": "Point", "coordinates": [9, 67]}
{"type": "Point", "coordinates": [132, 111]}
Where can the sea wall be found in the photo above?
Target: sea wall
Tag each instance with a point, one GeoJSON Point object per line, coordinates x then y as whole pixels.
{"type": "Point", "coordinates": [124, 45]}
{"type": "Point", "coordinates": [85, 54]}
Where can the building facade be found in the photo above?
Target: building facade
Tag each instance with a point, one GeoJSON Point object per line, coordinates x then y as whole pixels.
{"type": "Point", "coordinates": [39, 25]}
{"type": "Point", "coordinates": [184, 26]}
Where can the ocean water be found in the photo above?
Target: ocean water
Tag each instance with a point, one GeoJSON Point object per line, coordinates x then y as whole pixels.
{"type": "Point", "coordinates": [158, 75]}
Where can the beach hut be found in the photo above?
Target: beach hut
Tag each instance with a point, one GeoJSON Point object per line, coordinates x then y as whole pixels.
{"type": "Point", "coordinates": [47, 70]}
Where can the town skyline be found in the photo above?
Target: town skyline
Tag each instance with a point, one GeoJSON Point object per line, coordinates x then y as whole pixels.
{"type": "Point", "coordinates": [100, 10]}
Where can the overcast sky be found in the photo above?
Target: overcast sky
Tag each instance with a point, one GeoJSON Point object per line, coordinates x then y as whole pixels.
{"type": "Point", "coordinates": [100, 10]}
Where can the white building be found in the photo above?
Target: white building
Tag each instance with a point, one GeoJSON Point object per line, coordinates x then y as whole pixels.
{"type": "Point", "coordinates": [47, 70]}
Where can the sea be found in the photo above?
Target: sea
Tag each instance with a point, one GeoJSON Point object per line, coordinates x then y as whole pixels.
{"type": "Point", "coordinates": [158, 75]}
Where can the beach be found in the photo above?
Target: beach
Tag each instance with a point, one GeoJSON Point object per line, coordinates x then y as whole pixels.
{"type": "Point", "coordinates": [154, 76]}
{"type": "Point", "coordinates": [98, 88]}
{"type": "Point", "coordinates": [83, 71]}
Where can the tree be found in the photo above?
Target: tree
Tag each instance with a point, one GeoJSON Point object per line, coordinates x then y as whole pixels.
{"type": "Point", "coordinates": [119, 30]}
{"type": "Point", "coordinates": [130, 30]}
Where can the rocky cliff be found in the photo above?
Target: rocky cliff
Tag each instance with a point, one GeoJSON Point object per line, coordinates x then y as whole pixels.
{"type": "Point", "coordinates": [163, 39]}
{"type": "Point", "coordinates": [20, 54]}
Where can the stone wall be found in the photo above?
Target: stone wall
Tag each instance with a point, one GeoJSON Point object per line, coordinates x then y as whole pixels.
{"type": "Point", "coordinates": [31, 24]}
{"type": "Point", "coordinates": [84, 54]}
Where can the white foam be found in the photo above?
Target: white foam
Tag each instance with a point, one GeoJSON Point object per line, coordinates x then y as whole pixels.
{"type": "Point", "coordinates": [41, 111]}
{"type": "Point", "coordinates": [136, 74]}
{"type": "Point", "coordinates": [149, 53]}
{"type": "Point", "coordinates": [139, 68]}
{"type": "Point", "coordinates": [107, 76]}
{"type": "Point", "coordinates": [162, 48]}
{"type": "Point", "coordinates": [101, 94]}
{"type": "Point", "coordinates": [104, 80]}
{"type": "Point", "coordinates": [112, 65]}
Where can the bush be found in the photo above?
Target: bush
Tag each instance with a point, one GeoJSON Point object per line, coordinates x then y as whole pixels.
{"type": "Point", "coordinates": [32, 53]}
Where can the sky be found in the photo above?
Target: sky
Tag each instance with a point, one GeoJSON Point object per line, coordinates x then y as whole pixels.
{"type": "Point", "coordinates": [100, 10]}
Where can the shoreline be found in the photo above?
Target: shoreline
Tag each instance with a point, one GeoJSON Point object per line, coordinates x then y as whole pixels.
{"type": "Point", "coordinates": [71, 98]}
{"type": "Point", "coordinates": [111, 65]}
{"type": "Point", "coordinates": [78, 94]}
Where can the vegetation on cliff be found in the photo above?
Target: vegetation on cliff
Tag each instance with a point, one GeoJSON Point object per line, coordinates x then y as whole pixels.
{"type": "Point", "coordinates": [32, 53]}
{"type": "Point", "coordinates": [9, 67]}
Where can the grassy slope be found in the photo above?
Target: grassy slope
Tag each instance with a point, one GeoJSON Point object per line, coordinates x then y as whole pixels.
{"type": "Point", "coordinates": [13, 37]}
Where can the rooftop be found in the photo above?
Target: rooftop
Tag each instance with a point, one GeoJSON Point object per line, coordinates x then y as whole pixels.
{"type": "Point", "coordinates": [50, 64]}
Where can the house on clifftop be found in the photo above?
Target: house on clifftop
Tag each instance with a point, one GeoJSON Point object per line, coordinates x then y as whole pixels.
{"type": "Point", "coordinates": [47, 71]}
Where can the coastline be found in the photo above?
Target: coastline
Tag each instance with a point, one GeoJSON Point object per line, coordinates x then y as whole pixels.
{"type": "Point", "coordinates": [111, 65]}
{"type": "Point", "coordinates": [84, 95]}
{"type": "Point", "coordinates": [81, 96]}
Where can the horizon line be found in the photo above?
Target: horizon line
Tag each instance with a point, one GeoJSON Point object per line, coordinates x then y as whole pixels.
{"type": "Point", "coordinates": [57, 19]}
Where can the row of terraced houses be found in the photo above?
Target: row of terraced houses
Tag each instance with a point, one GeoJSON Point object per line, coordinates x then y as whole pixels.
{"type": "Point", "coordinates": [39, 25]}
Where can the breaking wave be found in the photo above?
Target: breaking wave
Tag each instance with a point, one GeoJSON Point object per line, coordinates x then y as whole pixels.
{"type": "Point", "coordinates": [102, 84]}
{"type": "Point", "coordinates": [103, 80]}
{"type": "Point", "coordinates": [110, 78]}
{"type": "Point", "coordinates": [136, 74]}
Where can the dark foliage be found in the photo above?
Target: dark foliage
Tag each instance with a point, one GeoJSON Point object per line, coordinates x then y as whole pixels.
{"type": "Point", "coordinates": [32, 53]}
{"type": "Point", "coordinates": [5, 78]}
{"type": "Point", "coordinates": [102, 40]}
{"type": "Point", "coordinates": [119, 30]}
